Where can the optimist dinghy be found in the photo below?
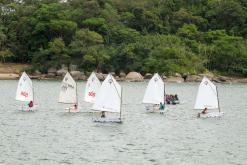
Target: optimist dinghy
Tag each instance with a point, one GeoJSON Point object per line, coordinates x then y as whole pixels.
{"type": "Point", "coordinates": [207, 97]}
{"type": "Point", "coordinates": [109, 99]}
{"type": "Point", "coordinates": [68, 93]}
{"type": "Point", "coordinates": [25, 93]}
{"type": "Point", "coordinates": [154, 94]}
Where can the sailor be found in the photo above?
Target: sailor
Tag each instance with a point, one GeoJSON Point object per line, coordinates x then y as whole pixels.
{"type": "Point", "coordinates": [30, 104]}
{"type": "Point", "coordinates": [103, 114]}
{"type": "Point", "coordinates": [75, 106]}
{"type": "Point", "coordinates": [205, 111]}
{"type": "Point", "coordinates": [162, 108]}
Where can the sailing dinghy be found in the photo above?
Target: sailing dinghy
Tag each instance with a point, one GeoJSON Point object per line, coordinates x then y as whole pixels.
{"type": "Point", "coordinates": [154, 94]}
{"type": "Point", "coordinates": [25, 93]}
{"type": "Point", "coordinates": [68, 93]}
{"type": "Point", "coordinates": [207, 97]}
{"type": "Point", "coordinates": [109, 99]}
{"type": "Point", "coordinates": [92, 88]}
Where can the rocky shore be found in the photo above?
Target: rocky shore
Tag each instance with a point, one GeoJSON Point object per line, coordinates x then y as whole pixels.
{"type": "Point", "coordinates": [54, 74]}
{"type": "Point", "coordinates": [12, 71]}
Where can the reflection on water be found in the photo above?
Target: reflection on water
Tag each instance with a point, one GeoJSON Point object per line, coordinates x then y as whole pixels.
{"type": "Point", "coordinates": [52, 136]}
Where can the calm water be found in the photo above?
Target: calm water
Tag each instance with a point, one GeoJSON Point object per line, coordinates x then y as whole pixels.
{"type": "Point", "coordinates": [51, 136]}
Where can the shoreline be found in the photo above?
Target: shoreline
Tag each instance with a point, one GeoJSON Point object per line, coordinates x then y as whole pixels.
{"type": "Point", "coordinates": [170, 79]}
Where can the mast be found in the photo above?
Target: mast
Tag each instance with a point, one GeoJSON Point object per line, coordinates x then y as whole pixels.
{"type": "Point", "coordinates": [33, 93]}
{"type": "Point", "coordinates": [121, 103]}
{"type": "Point", "coordinates": [218, 99]}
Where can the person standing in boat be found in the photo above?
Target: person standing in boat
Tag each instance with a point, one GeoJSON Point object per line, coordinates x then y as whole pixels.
{"type": "Point", "coordinates": [102, 114]}
{"type": "Point", "coordinates": [205, 111]}
{"type": "Point", "coordinates": [162, 108]}
{"type": "Point", "coordinates": [30, 104]}
{"type": "Point", "coordinates": [75, 106]}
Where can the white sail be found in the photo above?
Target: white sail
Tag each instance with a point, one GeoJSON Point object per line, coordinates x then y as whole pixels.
{"type": "Point", "coordinates": [109, 96]}
{"type": "Point", "coordinates": [24, 90]}
{"type": "Point", "coordinates": [207, 96]}
{"type": "Point", "coordinates": [68, 93]}
{"type": "Point", "coordinates": [155, 91]}
{"type": "Point", "coordinates": [92, 88]}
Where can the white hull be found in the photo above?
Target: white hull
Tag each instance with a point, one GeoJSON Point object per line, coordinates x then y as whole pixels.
{"type": "Point", "coordinates": [27, 109]}
{"type": "Point", "coordinates": [152, 108]}
{"type": "Point", "coordinates": [107, 120]}
{"type": "Point", "coordinates": [211, 115]}
{"type": "Point", "coordinates": [72, 110]}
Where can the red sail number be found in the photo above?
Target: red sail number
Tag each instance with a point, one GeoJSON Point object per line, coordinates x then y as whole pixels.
{"type": "Point", "coordinates": [92, 94]}
{"type": "Point", "coordinates": [23, 93]}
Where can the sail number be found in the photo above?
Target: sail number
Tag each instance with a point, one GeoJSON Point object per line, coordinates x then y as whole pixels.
{"type": "Point", "coordinates": [23, 93]}
{"type": "Point", "coordinates": [92, 94]}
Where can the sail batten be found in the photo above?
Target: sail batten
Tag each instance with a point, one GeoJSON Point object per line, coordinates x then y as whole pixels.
{"type": "Point", "coordinates": [92, 88]}
{"type": "Point", "coordinates": [24, 90]}
{"type": "Point", "coordinates": [68, 90]}
{"type": "Point", "coordinates": [109, 96]}
{"type": "Point", "coordinates": [207, 96]}
{"type": "Point", "coordinates": [154, 93]}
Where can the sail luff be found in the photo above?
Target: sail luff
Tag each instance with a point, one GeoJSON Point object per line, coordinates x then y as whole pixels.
{"type": "Point", "coordinates": [121, 104]}
{"type": "Point", "coordinates": [218, 98]}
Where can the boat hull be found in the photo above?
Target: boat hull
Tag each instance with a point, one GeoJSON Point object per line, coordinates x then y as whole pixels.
{"type": "Point", "coordinates": [211, 115]}
{"type": "Point", "coordinates": [107, 120]}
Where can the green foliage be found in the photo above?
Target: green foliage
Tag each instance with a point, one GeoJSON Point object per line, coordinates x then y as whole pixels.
{"type": "Point", "coordinates": [230, 55]}
{"type": "Point", "coordinates": [166, 36]}
{"type": "Point", "coordinates": [54, 56]}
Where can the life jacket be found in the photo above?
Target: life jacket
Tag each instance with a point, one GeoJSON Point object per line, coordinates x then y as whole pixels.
{"type": "Point", "coordinates": [30, 104]}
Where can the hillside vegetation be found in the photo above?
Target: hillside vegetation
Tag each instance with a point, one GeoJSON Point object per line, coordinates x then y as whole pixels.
{"type": "Point", "coordinates": [165, 36]}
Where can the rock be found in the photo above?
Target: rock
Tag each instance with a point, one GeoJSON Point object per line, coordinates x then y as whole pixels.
{"type": "Point", "coordinates": [241, 80]}
{"type": "Point", "coordinates": [113, 74]}
{"type": "Point", "coordinates": [61, 72]}
{"type": "Point", "coordinates": [101, 76]}
{"type": "Point", "coordinates": [164, 77]}
{"type": "Point", "coordinates": [122, 75]}
{"type": "Point", "coordinates": [37, 73]}
{"type": "Point", "coordinates": [193, 78]}
{"type": "Point", "coordinates": [148, 76]}
{"type": "Point", "coordinates": [82, 77]}
{"type": "Point", "coordinates": [174, 79]}
{"type": "Point", "coordinates": [52, 70]}
{"type": "Point", "coordinates": [35, 76]}
{"type": "Point", "coordinates": [50, 75]}
{"type": "Point", "coordinates": [209, 75]}
{"type": "Point", "coordinates": [76, 74]}
{"type": "Point", "coordinates": [117, 77]}
{"type": "Point", "coordinates": [7, 76]}
{"type": "Point", "coordinates": [224, 79]}
{"type": "Point", "coordinates": [134, 76]}
{"type": "Point", "coordinates": [177, 75]}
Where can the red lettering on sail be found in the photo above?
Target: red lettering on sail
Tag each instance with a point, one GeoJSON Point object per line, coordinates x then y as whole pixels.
{"type": "Point", "coordinates": [92, 94]}
{"type": "Point", "coordinates": [23, 93]}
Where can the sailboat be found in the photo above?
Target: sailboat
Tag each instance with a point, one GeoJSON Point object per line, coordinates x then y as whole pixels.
{"type": "Point", "coordinates": [154, 94]}
{"type": "Point", "coordinates": [92, 88]}
{"type": "Point", "coordinates": [109, 99]}
{"type": "Point", "coordinates": [68, 93]}
{"type": "Point", "coordinates": [207, 97]}
{"type": "Point", "coordinates": [25, 92]}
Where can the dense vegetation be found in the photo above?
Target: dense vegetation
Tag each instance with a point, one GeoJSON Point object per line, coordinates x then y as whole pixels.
{"type": "Point", "coordinates": [165, 36]}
